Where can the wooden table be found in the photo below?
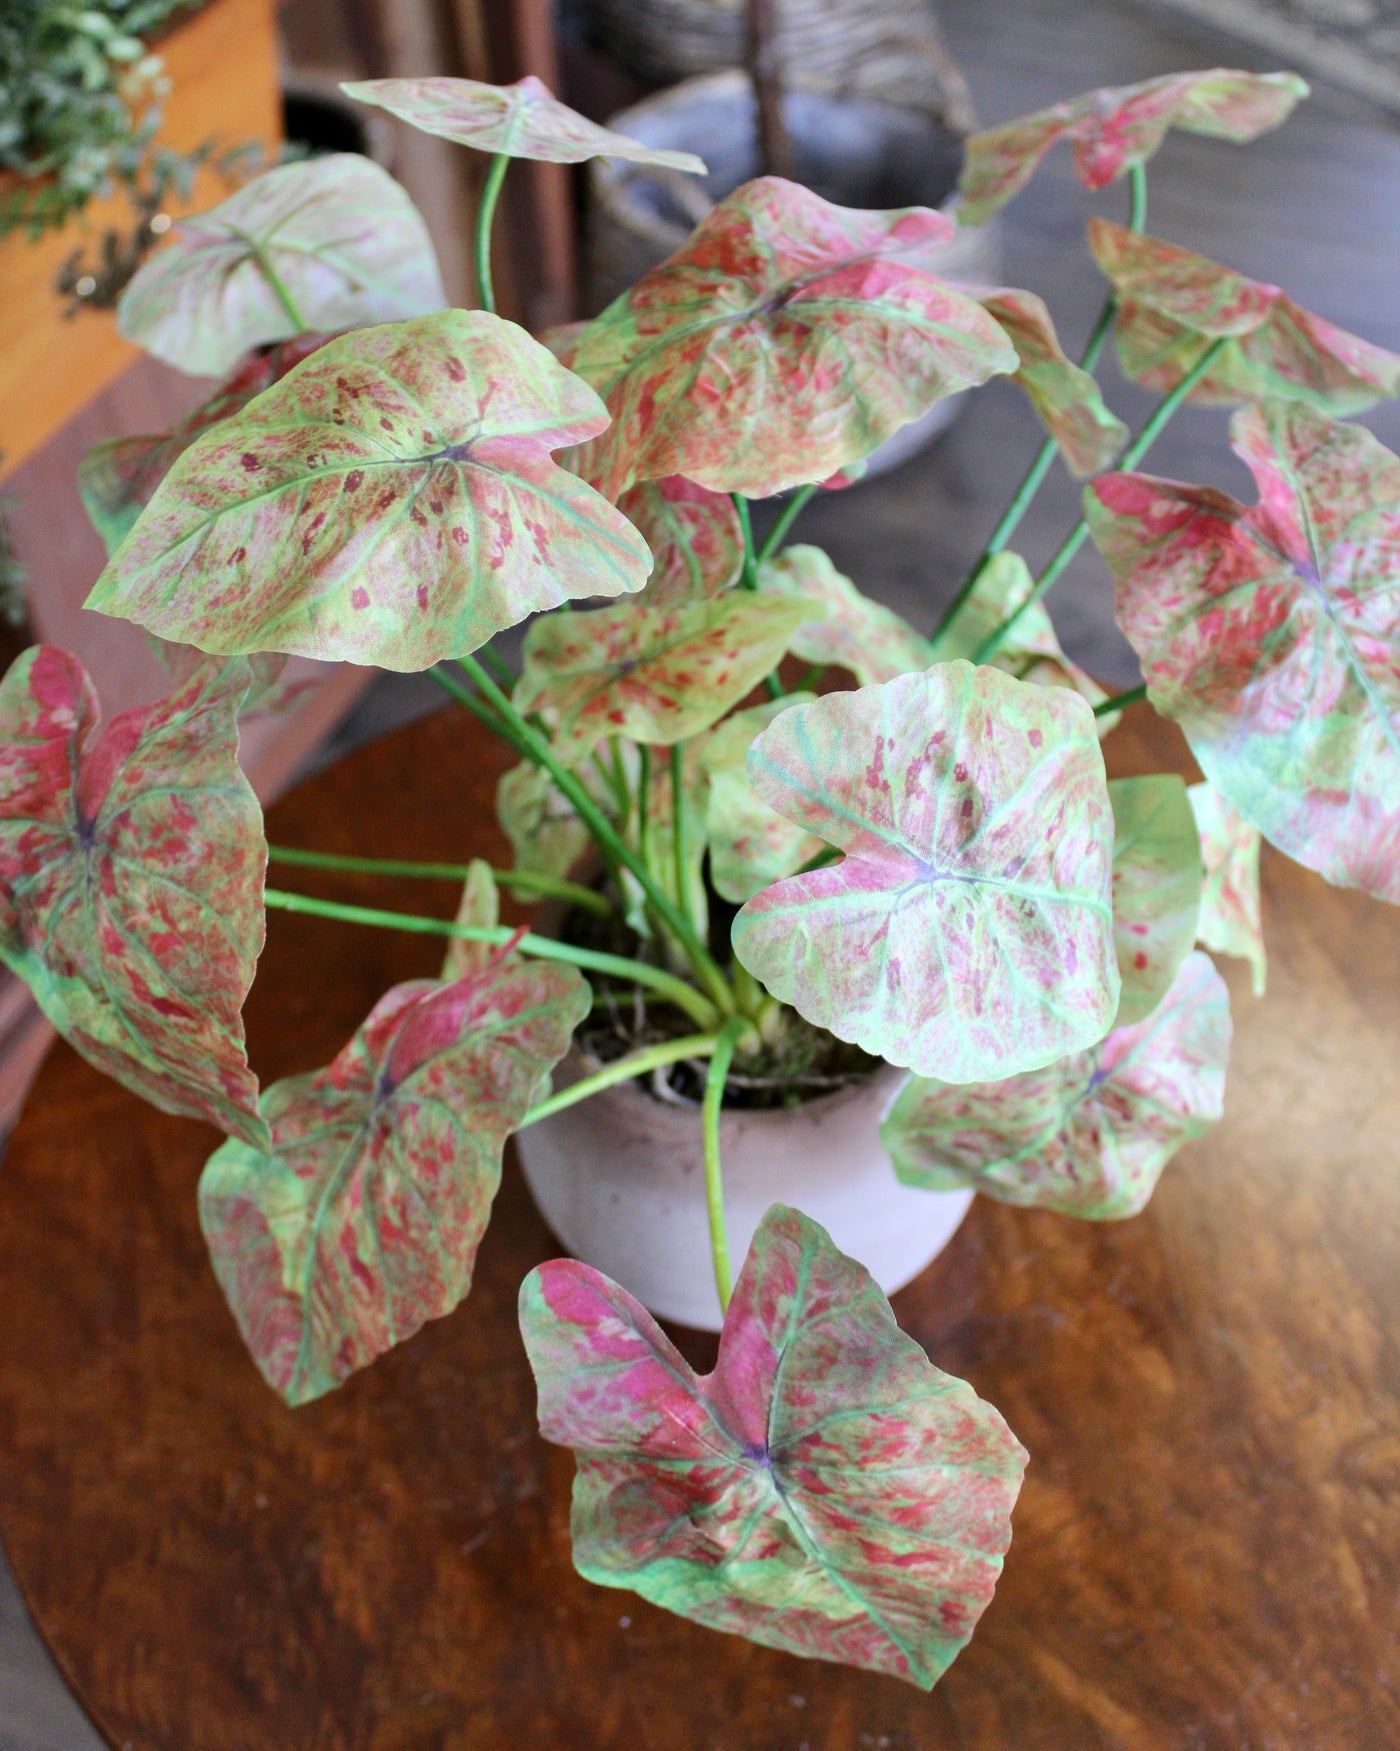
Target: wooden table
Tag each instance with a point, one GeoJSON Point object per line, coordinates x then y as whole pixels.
{"type": "Point", "coordinates": [1206, 1551]}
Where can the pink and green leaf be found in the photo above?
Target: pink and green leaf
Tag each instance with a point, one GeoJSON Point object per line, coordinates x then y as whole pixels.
{"type": "Point", "coordinates": [1157, 876]}
{"type": "Point", "coordinates": [968, 930]}
{"type": "Point", "coordinates": [392, 500]}
{"type": "Point", "coordinates": [852, 632]}
{"type": "Point", "coordinates": [1115, 129]}
{"type": "Point", "coordinates": [782, 343]}
{"type": "Point", "coordinates": [543, 827]}
{"type": "Point", "coordinates": [131, 873]}
{"type": "Point", "coordinates": [1172, 305]}
{"type": "Point", "coordinates": [326, 244]}
{"type": "Point", "coordinates": [1230, 919]}
{"type": "Point", "coordinates": [479, 907]}
{"type": "Point", "coordinates": [750, 844]}
{"type": "Point", "coordinates": [826, 1490]}
{"type": "Point", "coordinates": [696, 543]}
{"type": "Point", "coordinates": [523, 120]}
{"type": "Point", "coordinates": [1271, 633]}
{"type": "Point", "coordinates": [360, 1222]}
{"type": "Point", "coordinates": [1088, 1136]}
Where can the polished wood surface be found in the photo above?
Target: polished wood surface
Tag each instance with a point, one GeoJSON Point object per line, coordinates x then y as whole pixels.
{"type": "Point", "coordinates": [1206, 1551]}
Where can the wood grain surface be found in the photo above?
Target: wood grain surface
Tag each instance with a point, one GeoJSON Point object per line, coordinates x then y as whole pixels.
{"type": "Point", "coordinates": [1206, 1552]}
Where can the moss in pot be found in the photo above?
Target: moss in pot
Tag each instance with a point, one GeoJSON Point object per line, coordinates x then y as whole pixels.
{"type": "Point", "coordinates": [927, 867]}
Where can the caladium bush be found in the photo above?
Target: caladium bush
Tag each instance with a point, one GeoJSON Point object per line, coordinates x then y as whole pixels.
{"type": "Point", "coordinates": [788, 827]}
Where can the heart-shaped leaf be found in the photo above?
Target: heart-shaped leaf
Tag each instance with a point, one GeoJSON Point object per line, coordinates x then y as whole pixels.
{"type": "Point", "coordinates": [657, 674]}
{"type": "Point", "coordinates": [131, 872]}
{"type": "Point", "coordinates": [541, 823]}
{"type": "Point", "coordinates": [968, 931]}
{"type": "Point", "coordinates": [1269, 633]}
{"type": "Point", "coordinates": [1088, 1136]}
{"type": "Point", "coordinates": [361, 1221]}
{"type": "Point", "coordinates": [1156, 888]}
{"type": "Point", "coordinates": [1230, 914]}
{"type": "Point", "coordinates": [826, 1490]}
{"type": "Point", "coordinates": [781, 343]}
{"type": "Point", "coordinates": [118, 477]}
{"type": "Point", "coordinates": [328, 243]}
{"type": "Point", "coordinates": [697, 546]}
{"type": "Point", "coordinates": [391, 501]}
{"type": "Point", "coordinates": [523, 120]}
{"type": "Point", "coordinates": [750, 844]}
{"type": "Point", "coordinates": [852, 631]}
{"type": "Point", "coordinates": [1114, 129]}
{"type": "Point", "coordinates": [1067, 400]}
{"type": "Point", "coordinates": [1172, 305]}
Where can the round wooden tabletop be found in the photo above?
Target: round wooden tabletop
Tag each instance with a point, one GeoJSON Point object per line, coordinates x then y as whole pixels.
{"type": "Point", "coordinates": [1206, 1550]}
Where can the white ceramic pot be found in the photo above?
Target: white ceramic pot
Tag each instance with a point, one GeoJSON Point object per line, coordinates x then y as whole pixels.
{"type": "Point", "coordinates": [620, 1178]}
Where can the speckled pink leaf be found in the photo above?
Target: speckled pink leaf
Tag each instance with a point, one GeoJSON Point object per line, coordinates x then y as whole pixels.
{"type": "Point", "coordinates": [131, 872]}
{"type": "Point", "coordinates": [328, 243]}
{"type": "Point", "coordinates": [1088, 1136]}
{"type": "Point", "coordinates": [750, 844]}
{"type": "Point", "coordinates": [523, 120]}
{"type": "Point", "coordinates": [696, 543]}
{"type": "Point", "coordinates": [658, 674]}
{"type": "Point", "coordinates": [968, 931]}
{"type": "Point", "coordinates": [783, 342]}
{"type": "Point", "coordinates": [361, 1221]}
{"type": "Point", "coordinates": [853, 632]}
{"type": "Point", "coordinates": [1272, 633]}
{"type": "Point", "coordinates": [1067, 400]}
{"type": "Point", "coordinates": [1114, 129]}
{"type": "Point", "coordinates": [1230, 919]}
{"type": "Point", "coordinates": [542, 825]}
{"type": "Point", "coordinates": [479, 906]}
{"type": "Point", "coordinates": [1156, 888]}
{"type": "Point", "coordinates": [392, 501]}
{"type": "Point", "coordinates": [826, 1490]}
{"type": "Point", "coordinates": [1172, 305]}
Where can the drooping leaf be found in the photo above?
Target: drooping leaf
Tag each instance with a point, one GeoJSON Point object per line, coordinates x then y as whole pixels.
{"type": "Point", "coordinates": [870, 640]}
{"type": "Point", "coordinates": [542, 825]}
{"type": "Point", "coordinates": [968, 931]}
{"type": "Point", "coordinates": [361, 1220]}
{"type": "Point", "coordinates": [118, 477]}
{"type": "Point", "coordinates": [1114, 129]}
{"type": "Point", "coordinates": [783, 342]}
{"type": "Point", "coordinates": [1067, 400]}
{"type": "Point", "coordinates": [1230, 914]}
{"type": "Point", "coordinates": [1088, 1136]}
{"type": "Point", "coordinates": [327, 243]}
{"type": "Point", "coordinates": [1156, 888]}
{"type": "Point", "coordinates": [826, 1490]}
{"type": "Point", "coordinates": [480, 906]}
{"type": "Point", "coordinates": [1270, 632]}
{"type": "Point", "coordinates": [391, 501]}
{"type": "Point", "coordinates": [657, 674]}
{"type": "Point", "coordinates": [1172, 305]}
{"type": "Point", "coordinates": [523, 120]}
{"type": "Point", "coordinates": [750, 844]}
{"type": "Point", "coordinates": [696, 543]}
{"type": "Point", "coordinates": [131, 872]}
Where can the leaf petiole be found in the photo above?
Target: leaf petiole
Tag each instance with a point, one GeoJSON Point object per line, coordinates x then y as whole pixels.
{"type": "Point", "coordinates": [621, 1070]}
{"type": "Point", "coordinates": [1121, 701]}
{"type": "Point", "coordinates": [518, 880]}
{"type": "Point", "coordinates": [729, 1036]}
{"type": "Point", "coordinates": [485, 214]}
{"type": "Point", "coordinates": [788, 516]}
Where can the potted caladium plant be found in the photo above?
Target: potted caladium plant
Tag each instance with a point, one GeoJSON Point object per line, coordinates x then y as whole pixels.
{"type": "Point", "coordinates": [909, 914]}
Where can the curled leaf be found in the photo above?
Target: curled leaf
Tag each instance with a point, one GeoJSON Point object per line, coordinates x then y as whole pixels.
{"type": "Point", "coordinates": [1269, 632]}
{"type": "Point", "coordinates": [853, 632]}
{"type": "Point", "coordinates": [968, 930]}
{"type": "Point", "coordinates": [750, 844]}
{"type": "Point", "coordinates": [697, 546]}
{"type": "Point", "coordinates": [361, 1220]}
{"type": "Point", "coordinates": [542, 825]}
{"type": "Point", "coordinates": [391, 501]}
{"type": "Point", "coordinates": [1230, 914]}
{"type": "Point", "coordinates": [523, 120]}
{"type": "Point", "coordinates": [826, 1490]}
{"type": "Point", "coordinates": [1088, 1136]}
{"type": "Point", "coordinates": [327, 243]}
{"type": "Point", "coordinates": [1156, 888]}
{"type": "Point", "coordinates": [1116, 128]}
{"type": "Point", "coordinates": [131, 872]}
{"type": "Point", "coordinates": [480, 907]}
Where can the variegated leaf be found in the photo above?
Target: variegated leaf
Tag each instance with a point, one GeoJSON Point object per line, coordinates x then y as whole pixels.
{"type": "Point", "coordinates": [392, 501]}
{"type": "Point", "coordinates": [361, 1220]}
{"type": "Point", "coordinates": [523, 120]}
{"type": "Point", "coordinates": [1272, 633]}
{"type": "Point", "coordinates": [542, 825]}
{"type": "Point", "coordinates": [1172, 305]}
{"type": "Point", "coordinates": [1114, 129]}
{"type": "Point", "coordinates": [852, 632]}
{"type": "Point", "coordinates": [327, 243]}
{"type": "Point", "coordinates": [1230, 920]}
{"type": "Point", "coordinates": [968, 931]}
{"type": "Point", "coordinates": [750, 844]}
{"type": "Point", "coordinates": [1088, 1136]}
{"type": "Point", "coordinates": [826, 1490]}
{"type": "Point", "coordinates": [783, 342]}
{"type": "Point", "coordinates": [697, 546]}
{"type": "Point", "coordinates": [1156, 888]}
{"type": "Point", "coordinates": [131, 872]}
{"type": "Point", "coordinates": [479, 907]}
